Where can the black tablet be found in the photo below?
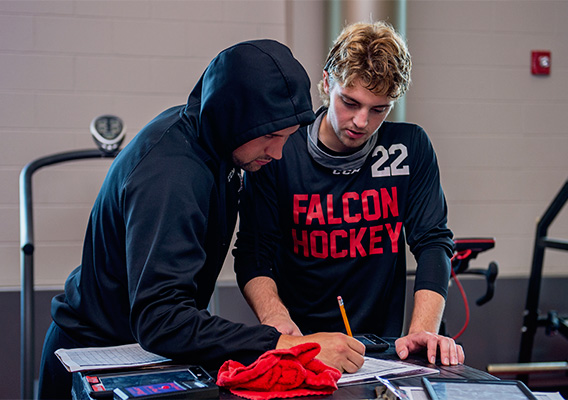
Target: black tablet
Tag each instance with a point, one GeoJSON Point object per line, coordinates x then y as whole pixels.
{"type": "Point", "coordinates": [467, 389]}
{"type": "Point", "coordinates": [101, 385]}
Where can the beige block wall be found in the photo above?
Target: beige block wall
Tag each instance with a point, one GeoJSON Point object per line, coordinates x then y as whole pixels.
{"type": "Point", "coordinates": [498, 131]}
{"type": "Point", "coordinates": [64, 62]}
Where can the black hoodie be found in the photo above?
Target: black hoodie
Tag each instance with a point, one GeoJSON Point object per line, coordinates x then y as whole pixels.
{"type": "Point", "coordinates": [160, 228]}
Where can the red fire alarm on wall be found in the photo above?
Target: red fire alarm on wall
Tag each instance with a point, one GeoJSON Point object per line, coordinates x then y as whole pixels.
{"type": "Point", "coordinates": [540, 62]}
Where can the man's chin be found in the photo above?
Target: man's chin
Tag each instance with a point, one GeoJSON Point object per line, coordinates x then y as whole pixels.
{"type": "Point", "coordinates": [354, 143]}
{"type": "Point", "coordinates": [251, 167]}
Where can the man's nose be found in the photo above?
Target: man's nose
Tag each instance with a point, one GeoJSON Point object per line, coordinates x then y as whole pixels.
{"type": "Point", "coordinates": [361, 118]}
{"type": "Point", "coordinates": [274, 150]}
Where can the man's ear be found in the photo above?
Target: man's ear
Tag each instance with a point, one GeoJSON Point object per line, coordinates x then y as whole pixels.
{"type": "Point", "coordinates": [326, 82]}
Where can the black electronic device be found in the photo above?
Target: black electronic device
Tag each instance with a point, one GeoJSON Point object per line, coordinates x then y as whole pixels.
{"type": "Point", "coordinates": [108, 132]}
{"type": "Point", "coordinates": [479, 389]}
{"type": "Point", "coordinates": [183, 381]}
{"type": "Point", "coordinates": [167, 390]}
{"type": "Point", "coordinates": [372, 342]}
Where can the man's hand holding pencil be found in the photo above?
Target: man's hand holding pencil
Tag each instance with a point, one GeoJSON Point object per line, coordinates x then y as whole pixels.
{"type": "Point", "coordinates": [337, 349]}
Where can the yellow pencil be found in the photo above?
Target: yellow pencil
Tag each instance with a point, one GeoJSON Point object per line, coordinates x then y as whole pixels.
{"type": "Point", "coordinates": [344, 315]}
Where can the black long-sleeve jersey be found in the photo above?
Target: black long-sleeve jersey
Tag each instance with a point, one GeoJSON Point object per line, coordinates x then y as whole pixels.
{"type": "Point", "coordinates": [322, 232]}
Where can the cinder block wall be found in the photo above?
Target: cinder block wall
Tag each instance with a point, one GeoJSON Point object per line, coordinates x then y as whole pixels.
{"type": "Point", "coordinates": [499, 132]}
{"type": "Point", "coordinates": [64, 62]}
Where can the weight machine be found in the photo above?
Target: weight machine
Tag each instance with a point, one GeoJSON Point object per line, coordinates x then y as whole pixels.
{"type": "Point", "coordinates": [552, 322]}
{"type": "Point", "coordinates": [533, 319]}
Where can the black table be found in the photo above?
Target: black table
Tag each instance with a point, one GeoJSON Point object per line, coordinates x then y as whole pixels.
{"type": "Point", "coordinates": [358, 391]}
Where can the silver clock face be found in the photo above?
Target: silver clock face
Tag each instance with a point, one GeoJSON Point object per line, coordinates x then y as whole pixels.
{"type": "Point", "coordinates": [108, 127]}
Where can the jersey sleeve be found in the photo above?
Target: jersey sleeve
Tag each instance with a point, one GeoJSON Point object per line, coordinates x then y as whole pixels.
{"type": "Point", "coordinates": [428, 236]}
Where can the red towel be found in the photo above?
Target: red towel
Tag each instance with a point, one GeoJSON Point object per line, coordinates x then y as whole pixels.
{"type": "Point", "coordinates": [280, 373]}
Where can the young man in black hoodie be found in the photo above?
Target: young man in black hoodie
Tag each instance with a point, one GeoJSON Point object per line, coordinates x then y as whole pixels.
{"type": "Point", "coordinates": [330, 218]}
{"type": "Point", "coordinates": [162, 223]}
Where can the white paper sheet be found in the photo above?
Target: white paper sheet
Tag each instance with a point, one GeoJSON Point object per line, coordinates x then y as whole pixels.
{"type": "Point", "coordinates": [93, 358]}
{"type": "Point", "coordinates": [389, 369]}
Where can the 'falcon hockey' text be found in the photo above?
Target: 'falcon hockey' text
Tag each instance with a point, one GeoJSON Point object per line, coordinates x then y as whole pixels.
{"type": "Point", "coordinates": [365, 211]}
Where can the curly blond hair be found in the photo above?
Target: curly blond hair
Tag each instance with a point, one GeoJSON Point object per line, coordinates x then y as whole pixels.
{"type": "Point", "coordinates": [373, 53]}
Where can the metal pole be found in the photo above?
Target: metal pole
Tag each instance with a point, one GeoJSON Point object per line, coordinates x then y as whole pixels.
{"type": "Point", "coordinates": [27, 309]}
{"type": "Point", "coordinates": [399, 111]}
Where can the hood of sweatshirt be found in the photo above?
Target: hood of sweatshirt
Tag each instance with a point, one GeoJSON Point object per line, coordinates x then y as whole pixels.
{"type": "Point", "coordinates": [249, 90]}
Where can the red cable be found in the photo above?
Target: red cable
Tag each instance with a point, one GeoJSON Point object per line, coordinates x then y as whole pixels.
{"type": "Point", "coordinates": [466, 305]}
{"type": "Point", "coordinates": [463, 255]}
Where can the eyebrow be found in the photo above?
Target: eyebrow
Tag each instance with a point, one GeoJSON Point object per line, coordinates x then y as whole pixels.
{"type": "Point", "coordinates": [279, 134]}
{"type": "Point", "coordinates": [355, 101]}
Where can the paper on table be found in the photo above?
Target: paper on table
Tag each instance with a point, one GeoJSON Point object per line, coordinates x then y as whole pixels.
{"type": "Point", "coordinates": [388, 369]}
{"type": "Point", "coordinates": [93, 358]}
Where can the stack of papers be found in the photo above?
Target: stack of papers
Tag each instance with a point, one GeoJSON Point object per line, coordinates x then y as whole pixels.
{"type": "Point", "coordinates": [93, 358]}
